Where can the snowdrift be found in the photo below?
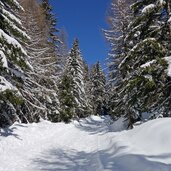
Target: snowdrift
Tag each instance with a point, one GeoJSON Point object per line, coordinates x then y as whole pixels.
{"type": "Point", "coordinates": [145, 148]}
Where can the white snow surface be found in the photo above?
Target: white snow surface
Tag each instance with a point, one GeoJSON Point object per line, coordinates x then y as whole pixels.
{"type": "Point", "coordinates": [88, 145]}
{"type": "Point", "coordinates": [148, 8]}
{"type": "Point", "coordinates": [147, 64]}
{"type": "Point", "coordinates": [11, 16]}
{"type": "Point", "coordinates": [5, 85]}
{"type": "Point", "coordinates": [3, 59]}
{"type": "Point", "coordinates": [12, 41]}
{"type": "Point", "coordinates": [168, 59]}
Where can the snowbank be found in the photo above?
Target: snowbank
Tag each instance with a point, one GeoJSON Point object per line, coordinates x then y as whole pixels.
{"type": "Point", "coordinates": [145, 148]}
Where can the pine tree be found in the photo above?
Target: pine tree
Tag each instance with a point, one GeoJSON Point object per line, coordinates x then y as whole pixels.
{"type": "Point", "coordinates": [66, 98]}
{"type": "Point", "coordinates": [88, 86]}
{"type": "Point", "coordinates": [74, 79]}
{"type": "Point", "coordinates": [144, 66]}
{"type": "Point", "coordinates": [13, 64]}
{"type": "Point", "coordinates": [76, 68]}
{"type": "Point", "coordinates": [98, 92]}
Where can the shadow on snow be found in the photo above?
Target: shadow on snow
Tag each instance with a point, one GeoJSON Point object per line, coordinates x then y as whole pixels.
{"type": "Point", "coordinates": [71, 160]}
{"type": "Point", "coordinates": [94, 127]}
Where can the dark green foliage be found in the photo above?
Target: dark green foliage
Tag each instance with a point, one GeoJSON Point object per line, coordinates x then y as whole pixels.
{"type": "Point", "coordinates": [139, 69]}
{"type": "Point", "coordinates": [98, 92]}
{"type": "Point", "coordinates": [13, 64]}
{"type": "Point", "coordinates": [66, 98]}
{"type": "Point", "coordinates": [9, 103]}
{"type": "Point", "coordinates": [144, 68]}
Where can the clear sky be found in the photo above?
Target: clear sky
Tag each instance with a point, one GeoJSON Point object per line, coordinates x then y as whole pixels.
{"type": "Point", "coordinates": [84, 19]}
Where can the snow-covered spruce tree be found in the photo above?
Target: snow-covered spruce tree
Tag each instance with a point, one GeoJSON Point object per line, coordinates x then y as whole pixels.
{"type": "Point", "coordinates": [144, 67]}
{"type": "Point", "coordinates": [13, 64]}
{"type": "Point", "coordinates": [74, 78]}
{"type": "Point", "coordinates": [118, 19]}
{"type": "Point", "coordinates": [98, 91]}
{"type": "Point", "coordinates": [88, 86]}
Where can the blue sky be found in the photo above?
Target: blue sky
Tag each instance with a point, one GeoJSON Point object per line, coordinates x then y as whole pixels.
{"type": "Point", "coordinates": [84, 19]}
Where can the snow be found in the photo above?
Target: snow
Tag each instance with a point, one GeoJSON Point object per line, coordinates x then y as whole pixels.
{"type": "Point", "coordinates": [87, 145]}
{"type": "Point", "coordinates": [147, 64]}
{"type": "Point", "coordinates": [148, 8]}
{"type": "Point", "coordinates": [168, 59]}
{"type": "Point", "coordinates": [18, 5]}
{"type": "Point", "coordinates": [12, 41]}
{"type": "Point", "coordinates": [11, 24]}
{"type": "Point", "coordinates": [3, 59]}
{"type": "Point", "coordinates": [162, 2]}
{"type": "Point", "coordinates": [118, 125]}
{"type": "Point", "coordinates": [11, 16]}
{"type": "Point", "coordinates": [4, 85]}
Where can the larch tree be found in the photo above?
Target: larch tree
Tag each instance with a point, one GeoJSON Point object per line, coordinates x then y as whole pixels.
{"type": "Point", "coordinates": [118, 18]}
{"type": "Point", "coordinates": [41, 83]}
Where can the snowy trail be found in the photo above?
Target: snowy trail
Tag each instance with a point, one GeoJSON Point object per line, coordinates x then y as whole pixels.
{"type": "Point", "coordinates": [47, 146]}
{"type": "Point", "coordinates": [88, 145]}
{"type": "Point", "coordinates": [76, 150]}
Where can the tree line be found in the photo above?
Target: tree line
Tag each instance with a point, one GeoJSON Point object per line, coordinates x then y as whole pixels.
{"type": "Point", "coordinates": [40, 77]}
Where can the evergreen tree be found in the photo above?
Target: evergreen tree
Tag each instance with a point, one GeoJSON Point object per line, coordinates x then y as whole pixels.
{"type": "Point", "coordinates": [13, 64]}
{"type": "Point", "coordinates": [74, 79]}
{"type": "Point", "coordinates": [88, 86]}
{"type": "Point", "coordinates": [75, 69]}
{"type": "Point", "coordinates": [66, 98]}
{"type": "Point", "coordinates": [144, 66]}
{"type": "Point", "coordinates": [63, 50]}
{"type": "Point", "coordinates": [98, 92]}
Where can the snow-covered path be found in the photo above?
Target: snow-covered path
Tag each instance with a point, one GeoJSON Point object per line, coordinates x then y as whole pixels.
{"type": "Point", "coordinates": [55, 147]}
{"type": "Point", "coordinates": [88, 145]}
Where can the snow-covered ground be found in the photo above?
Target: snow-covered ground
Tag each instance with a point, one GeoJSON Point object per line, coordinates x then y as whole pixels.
{"type": "Point", "coordinates": [88, 145]}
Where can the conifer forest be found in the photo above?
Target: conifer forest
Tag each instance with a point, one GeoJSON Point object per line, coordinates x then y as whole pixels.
{"type": "Point", "coordinates": [55, 100]}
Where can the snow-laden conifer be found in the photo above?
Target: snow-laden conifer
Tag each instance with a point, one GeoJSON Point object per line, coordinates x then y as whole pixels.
{"type": "Point", "coordinates": [13, 63]}
{"type": "Point", "coordinates": [146, 82]}
{"type": "Point", "coordinates": [98, 91]}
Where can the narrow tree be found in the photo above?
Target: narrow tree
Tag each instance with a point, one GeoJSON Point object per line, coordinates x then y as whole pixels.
{"type": "Point", "coordinates": [75, 76]}
{"type": "Point", "coordinates": [98, 92]}
{"type": "Point", "coordinates": [66, 98]}
{"type": "Point", "coordinates": [118, 19]}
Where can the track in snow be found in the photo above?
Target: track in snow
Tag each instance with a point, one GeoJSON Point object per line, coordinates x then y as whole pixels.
{"type": "Point", "coordinates": [79, 146]}
{"type": "Point", "coordinates": [83, 147]}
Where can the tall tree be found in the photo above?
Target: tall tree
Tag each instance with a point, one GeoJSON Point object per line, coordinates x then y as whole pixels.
{"type": "Point", "coordinates": [13, 63]}
{"type": "Point", "coordinates": [41, 83]}
{"type": "Point", "coordinates": [75, 68]}
{"type": "Point", "coordinates": [98, 92]}
{"type": "Point", "coordinates": [118, 18]}
{"type": "Point", "coordinates": [66, 98]}
{"type": "Point", "coordinates": [144, 66]}
{"type": "Point", "coordinates": [75, 77]}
